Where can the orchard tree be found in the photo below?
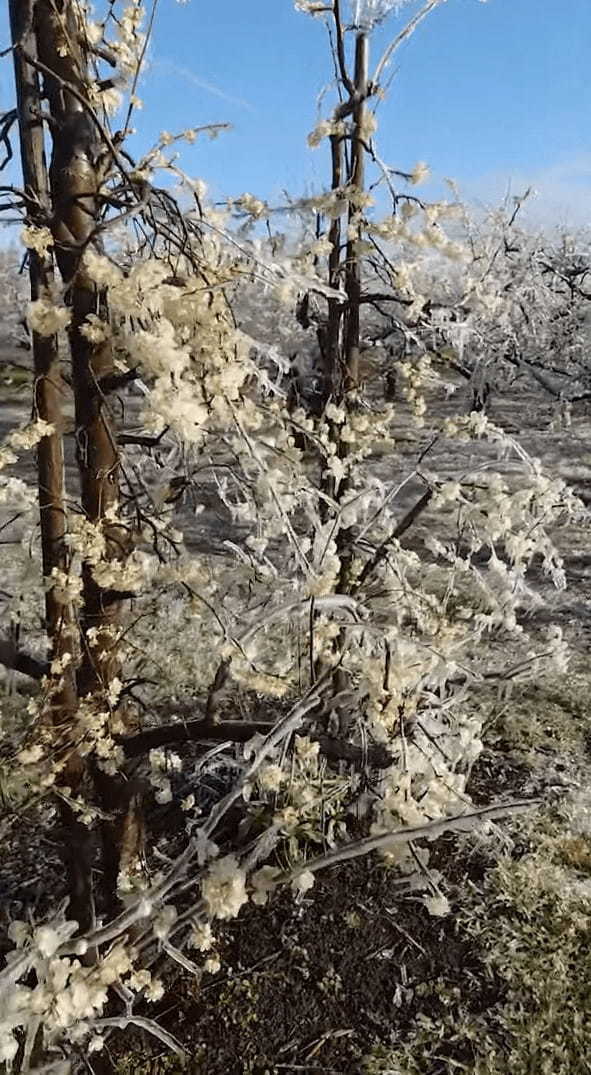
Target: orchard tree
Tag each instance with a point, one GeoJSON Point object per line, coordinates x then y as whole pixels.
{"type": "Point", "coordinates": [350, 657]}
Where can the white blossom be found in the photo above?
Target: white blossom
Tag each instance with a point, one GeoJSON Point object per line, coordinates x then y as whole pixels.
{"type": "Point", "coordinates": [38, 239]}
{"type": "Point", "coordinates": [46, 318]}
{"type": "Point", "coordinates": [224, 888]}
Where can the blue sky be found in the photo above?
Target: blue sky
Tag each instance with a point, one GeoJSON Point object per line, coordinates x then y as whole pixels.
{"type": "Point", "coordinates": [487, 93]}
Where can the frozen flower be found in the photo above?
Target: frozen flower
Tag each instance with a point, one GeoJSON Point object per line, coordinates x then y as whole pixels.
{"type": "Point", "coordinates": [254, 206]}
{"type": "Point", "coordinates": [202, 937]}
{"type": "Point", "coordinates": [366, 13]}
{"type": "Point", "coordinates": [336, 468]}
{"type": "Point", "coordinates": [102, 271]}
{"type": "Point", "coordinates": [38, 239]}
{"type": "Point", "coordinates": [94, 32]}
{"type": "Point", "coordinates": [322, 246]}
{"type": "Point", "coordinates": [111, 100]}
{"type": "Point", "coordinates": [306, 749]}
{"type": "Point", "coordinates": [8, 1046]}
{"type": "Point", "coordinates": [419, 173]}
{"type": "Point", "coordinates": [335, 414]}
{"type": "Point", "coordinates": [164, 793]}
{"type": "Point", "coordinates": [59, 664]}
{"type": "Point", "coordinates": [303, 882]}
{"type": "Point", "coordinates": [263, 883]}
{"type": "Point", "coordinates": [46, 318]}
{"type": "Point", "coordinates": [224, 888]}
{"type": "Point", "coordinates": [437, 905]}
{"type": "Point", "coordinates": [270, 777]}
{"type": "Point", "coordinates": [164, 922]}
{"type": "Point", "coordinates": [155, 991]}
{"type": "Point", "coordinates": [47, 940]}
{"type": "Point", "coordinates": [478, 423]}
{"type": "Point", "coordinates": [287, 819]}
{"type": "Point", "coordinates": [310, 7]}
{"type": "Point", "coordinates": [158, 759]}
{"type": "Point", "coordinates": [114, 690]}
{"type": "Point", "coordinates": [212, 965]}
{"type": "Point", "coordinates": [30, 755]}
{"type": "Point", "coordinates": [94, 329]}
{"type": "Point", "coordinates": [19, 932]}
{"type": "Point", "coordinates": [321, 130]}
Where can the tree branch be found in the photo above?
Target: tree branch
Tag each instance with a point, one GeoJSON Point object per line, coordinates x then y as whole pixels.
{"type": "Point", "coordinates": [240, 731]}
{"type": "Point", "coordinates": [236, 731]}
{"type": "Point", "coordinates": [21, 662]}
{"type": "Point", "coordinates": [382, 550]}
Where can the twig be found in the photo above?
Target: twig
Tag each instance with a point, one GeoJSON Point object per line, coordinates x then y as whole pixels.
{"type": "Point", "coordinates": [18, 661]}
{"type": "Point", "coordinates": [433, 829]}
{"type": "Point", "coordinates": [382, 550]}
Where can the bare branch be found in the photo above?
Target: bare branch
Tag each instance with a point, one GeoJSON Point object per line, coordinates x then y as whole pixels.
{"type": "Point", "coordinates": [382, 550]}
{"type": "Point", "coordinates": [401, 37]}
{"type": "Point", "coordinates": [15, 659]}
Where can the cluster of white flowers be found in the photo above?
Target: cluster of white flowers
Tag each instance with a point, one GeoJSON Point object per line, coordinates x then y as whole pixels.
{"type": "Point", "coordinates": [162, 763]}
{"type": "Point", "coordinates": [66, 586]}
{"type": "Point", "coordinates": [126, 576]}
{"type": "Point", "coordinates": [68, 996]}
{"type": "Point", "coordinates": [46, 317]}
{"type": "Point", "coordinates": [38, 239]}
{"type": "Point", "coordinates": [224, 888]}
{"type": "Point", "coordinates": [22, 439]}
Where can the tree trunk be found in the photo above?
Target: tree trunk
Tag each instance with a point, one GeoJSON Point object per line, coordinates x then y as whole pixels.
{"type": "Point", "coordinates": [76, 175]}
{"type": "Point", "coordinates": [331, 351]}
{"type": "Point", "coordinates": [357, 180]}
{"type": "Point", "coordinates": [353, 284]}
{"type": "Point", "coordinates": [49, 391]}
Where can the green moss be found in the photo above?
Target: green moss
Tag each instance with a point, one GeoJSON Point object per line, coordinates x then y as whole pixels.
{"type": "Point", "coordinates": [549, 717]}
{"type": "Point", "coordinates": [530, 923]}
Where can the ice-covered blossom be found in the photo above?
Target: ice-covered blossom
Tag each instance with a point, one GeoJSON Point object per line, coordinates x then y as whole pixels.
{"type": "Point", "coordinates": [202, 937]}
{"type": "Point", "coordinates": [437, 905]}
{"type": "Point", "coordinates": [66, 995]}
{"type": "Point", "coordinates": [38, 239]}
{"type": "Point", "coordinates": [419, 173]}
{"type": "Point", "coordinates": [366, 13]}
{"type": "Point", "coordinates": [164, 922]}
{"type": "Point", "coordinates": [67, 588]}
{"type": "Point", "coordinates": [249, 204]}
{"type": "Point", "coordinates": [310, 7]}
{"type": "Point", "coordinates": [132, 574]}
{"type": "Point", "coordinates": [307, 750]}
{"type": "Point", "coordinates": [263, 882]}
{"type": "Point", "coordinates": [95, 329]}
{"type": "Point", "coordinates": [270, 777]}
{"type": "Point", "coordinates": [224, 888]}
{"type": "Point", "coordinates": [46, 317]}
{"type": "Point", "coordinates": [303, 882]}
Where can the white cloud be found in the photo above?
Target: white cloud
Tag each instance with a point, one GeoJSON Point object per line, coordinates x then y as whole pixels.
{"type": "Point", "coordinates": [171, 68]}
{"type": "Point", "coordinates": [562, 191]}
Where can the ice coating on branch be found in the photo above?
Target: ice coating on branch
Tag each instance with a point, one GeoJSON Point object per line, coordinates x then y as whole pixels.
{"type": "Point", "coordinates": [366, 13]}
